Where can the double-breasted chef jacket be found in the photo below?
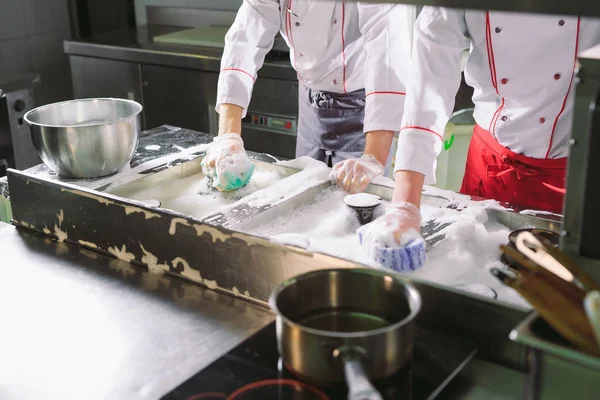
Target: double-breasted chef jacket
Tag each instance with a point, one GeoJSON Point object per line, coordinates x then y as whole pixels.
{"type": "Point", "coordinates": [522, 69]}
{"type": "Point", "coordinates": [336, 47]}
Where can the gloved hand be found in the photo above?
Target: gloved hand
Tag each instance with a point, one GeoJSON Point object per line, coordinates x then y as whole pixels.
{"type": "Point", "coordinates": [393, 240]}
{"type": "Point", "coordinates": [400, 224]}
{"type": "Point", "coordinates": [227, 163]}
{"type": "Point", "coordinates": [355, 174]}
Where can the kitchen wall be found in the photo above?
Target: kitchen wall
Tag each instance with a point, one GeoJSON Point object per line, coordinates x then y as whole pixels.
{"type": "Point", "coordinates": [226, 5]}
{"type": "Point", "coordinates": [31, 39]}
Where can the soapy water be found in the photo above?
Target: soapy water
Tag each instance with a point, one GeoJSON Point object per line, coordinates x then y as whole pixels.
{"type": "Point", "coordinates": [466, 255]}
{"type": "Point", "coordinates": [328, 226]}
{"type": "Point", "coordinates": [195, 196]}
{"type": "Point", "coordinates": [469, 250]}
{"type": "Point", "coordinates": [312, 173]}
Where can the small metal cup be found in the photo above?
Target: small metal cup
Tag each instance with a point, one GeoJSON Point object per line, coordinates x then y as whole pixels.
{"type": "Point", "coordinates": [365, 214]}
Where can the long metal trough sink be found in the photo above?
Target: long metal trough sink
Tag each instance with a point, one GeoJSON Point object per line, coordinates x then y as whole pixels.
{"type": "Point", "coordinates": [219, 257]}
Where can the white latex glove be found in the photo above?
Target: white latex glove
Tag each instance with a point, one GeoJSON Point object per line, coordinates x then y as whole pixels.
{"type": "Point", "coordinates": [227, 163]}
{"type": "Point", "coordinates": [355, 174]}
{"type": "Point", "coordinates": [393, 240]}
{"type": "Point", "coordinates": [399, 225]}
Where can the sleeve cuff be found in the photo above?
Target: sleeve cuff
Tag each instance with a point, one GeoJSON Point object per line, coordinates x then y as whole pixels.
{"type": "Point", "coordinates": [417, 151]}
{"type": "Point", "coordinates": [234, 87]}
{"type": "Point", "coordinates": [384, 110]}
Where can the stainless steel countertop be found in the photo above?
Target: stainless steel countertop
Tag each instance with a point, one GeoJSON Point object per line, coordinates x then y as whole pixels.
{"type": "Point", "coordinates": [137, 45]}
{"type": "Point", "coordinates": [77, 325]}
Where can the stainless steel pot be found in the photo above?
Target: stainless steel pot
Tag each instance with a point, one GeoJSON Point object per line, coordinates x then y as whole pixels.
{"type": "Point", "coordinates": [352, 324]}
{"type": "Point", "coordinates": [86, 138]}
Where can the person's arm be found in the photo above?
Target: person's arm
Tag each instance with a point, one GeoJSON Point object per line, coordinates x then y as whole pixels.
{"type": "Point", "coordinates": [387, 34]}
{"type": "Point", "coordinates": [439, 41]}
{"type": "Point", "coordinates": [387, 31]}
{"type": "Point", "coordinates": [230, 119]}
{"type": "Point", "coordinates": [408, 187]}
{"type": "Point", "coordinates": [247, 42]}
{"type": "Point", "coordinates": [378, 144]}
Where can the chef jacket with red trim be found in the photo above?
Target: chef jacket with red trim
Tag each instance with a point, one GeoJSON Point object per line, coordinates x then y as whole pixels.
{"type": "Point", "coordinates": [334, 46]}
{"type": "Point", "coordinates": [521, 67]}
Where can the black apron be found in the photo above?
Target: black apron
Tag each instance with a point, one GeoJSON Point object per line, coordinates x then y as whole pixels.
{"type": "Point", "coordinates": [330, 125]}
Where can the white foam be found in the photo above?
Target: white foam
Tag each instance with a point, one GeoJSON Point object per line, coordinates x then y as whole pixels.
{"type": "Point", "coordinates": [128, 174]}
{"type": "Point", "coordinates": [292, 239]}
{"type": "Point", "coordinates": [193, 195]}
{"type": "Point", "coordinates": [538, 212]}
{"type": "Point", "coordinates": [329, 224]}
{"type": "Point", "coordinates": [464, 257]}
{"type": "Point", "coordinates": [313, 174]}
{"type": "Point", "coordinates": [460, 200]}
{"type": "Point", "coordinates": [303, 162]}
{"type": "Point", "coordinates": [362, 200]}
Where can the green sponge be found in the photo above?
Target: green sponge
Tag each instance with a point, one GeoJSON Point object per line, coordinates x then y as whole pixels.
{"type": "Point", "coordinates": [233, 181]}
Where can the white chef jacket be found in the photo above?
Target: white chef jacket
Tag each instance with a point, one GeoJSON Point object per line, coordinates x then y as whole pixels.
{"type": "Point", "coordinates": [335, 46]}
{"type": "Point", "coordinates": [521, 67]}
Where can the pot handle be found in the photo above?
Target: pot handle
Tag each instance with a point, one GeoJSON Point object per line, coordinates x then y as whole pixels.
{"type": "Point", "coordinates": [359, 387]}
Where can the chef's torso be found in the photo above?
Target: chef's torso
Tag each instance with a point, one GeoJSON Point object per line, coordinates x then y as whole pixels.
{"type": "Point", "coordinates": [326, 46]}
{"type": "Point", "coordinates": [332, 49]}
{"type": "Point", "coordinates": [522, 69]}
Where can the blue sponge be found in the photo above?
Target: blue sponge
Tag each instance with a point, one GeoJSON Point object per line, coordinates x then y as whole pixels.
{"type": "Point", "coordinates": [402, 258]}
{"type": "Point", "coordinates": [234, 181]}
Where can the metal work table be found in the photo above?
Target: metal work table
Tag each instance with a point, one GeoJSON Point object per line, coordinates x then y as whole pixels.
{"type": "Point", "coordinates": [78, 325]}
{"type": "Point", "coordinates": [137, 46]}
{"type": "Point", "coordinates": [82, 325]}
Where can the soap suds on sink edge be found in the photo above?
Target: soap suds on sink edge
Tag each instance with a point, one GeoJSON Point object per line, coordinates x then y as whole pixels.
{"type": "Point", "coordinates": [122, 253]}
{"type": "Point", "coordinates": [152, 262]}
{"type": "Point", "coordinates": [88, 244]}
{"type": "Point", "coordinates": [61, 217]}
{"type": "Point", "coordinates": [210, 284]}
{"type": "Point", "coordinates": [188, 272]}
{"type": "Point", "coordinates": [537, 212]}
{"type": "Point", "coordinates": [60, 234]}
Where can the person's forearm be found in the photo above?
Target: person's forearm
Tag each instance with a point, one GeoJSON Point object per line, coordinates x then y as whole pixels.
{"type": "Point", "coordinates": [408, 186]}
{"type": "Point", "coordinates": [230, 119]}
{"type": "Point", "coordinates": [378, 144]}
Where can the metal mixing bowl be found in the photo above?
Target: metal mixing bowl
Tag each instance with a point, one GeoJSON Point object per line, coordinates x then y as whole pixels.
{"type": "Point", "coordinates": [87, 138]}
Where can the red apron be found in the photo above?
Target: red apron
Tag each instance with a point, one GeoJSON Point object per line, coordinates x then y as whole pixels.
{"type": "Point", "coordinates": [495, 172]}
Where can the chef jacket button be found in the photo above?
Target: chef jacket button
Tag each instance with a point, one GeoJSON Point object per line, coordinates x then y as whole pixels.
{"type": "Point", "coordinates": [542, 120]}
{"type": "Point", "coordinates": [504, 81]}
{"type": "Point", "coordinates": [335, 21]}
{"type": "Point", "coordinates": [504, 118]}
{"type": "Point", "coordinates": [556, 76]}
{"type": "Point", "coordinates": [334, 82]}
{"type": "Point", "coordinates": [498, 29]}
{"type": "Point", "coordinates": [561, 22]}
{"type": "Point", "coordinates": [297, 23]}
